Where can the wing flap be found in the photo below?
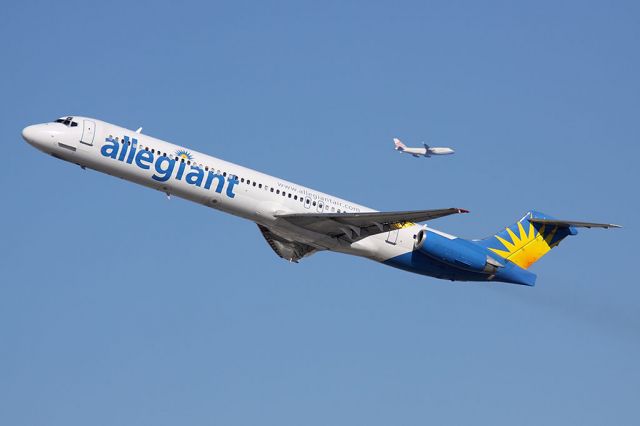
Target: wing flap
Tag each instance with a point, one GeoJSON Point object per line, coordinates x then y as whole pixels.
{"type": "Point", "coordinates": [292, 251]}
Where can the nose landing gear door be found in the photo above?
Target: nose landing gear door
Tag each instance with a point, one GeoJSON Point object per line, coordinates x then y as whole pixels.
{"type": "Point", "coordinates": [88, 132]}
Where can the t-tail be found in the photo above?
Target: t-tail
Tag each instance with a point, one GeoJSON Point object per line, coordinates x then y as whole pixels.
{"type": "Point", "coordinates": [529, 239]}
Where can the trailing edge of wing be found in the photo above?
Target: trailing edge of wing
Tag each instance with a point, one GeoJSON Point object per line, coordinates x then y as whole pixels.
{"type": "Point", "coordinates": [568, 223]}
{"type": "Point", "coordinates": [360, 225]}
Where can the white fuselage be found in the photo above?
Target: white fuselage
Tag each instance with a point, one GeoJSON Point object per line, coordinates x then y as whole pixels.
{"type": "Point", "coordinates": [426, 152]}
{"type": "Point", "coordinates": [209, 181]}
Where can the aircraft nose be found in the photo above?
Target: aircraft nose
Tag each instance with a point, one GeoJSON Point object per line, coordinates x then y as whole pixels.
{"type": "Point", "coordinates": [35, 135]}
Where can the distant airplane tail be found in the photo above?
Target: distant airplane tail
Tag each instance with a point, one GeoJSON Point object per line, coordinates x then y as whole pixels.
{"type": "Point", "coordinates": [530, 238]}
{"type": "Point", "coordinates": [399, 145]}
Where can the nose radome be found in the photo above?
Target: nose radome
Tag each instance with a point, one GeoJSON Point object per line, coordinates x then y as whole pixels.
{"type": "Point", "coordinates": [28, 133]}
{"type": "Point", "coordinates": [35, 135]}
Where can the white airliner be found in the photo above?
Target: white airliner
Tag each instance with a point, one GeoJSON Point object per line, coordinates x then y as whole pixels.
{"type": "Point", "coordinates": [427, 151]}
{"type": "Point", "coordinates": [297, 221]}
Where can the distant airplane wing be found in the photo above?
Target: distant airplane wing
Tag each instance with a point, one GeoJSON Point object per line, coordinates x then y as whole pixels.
{"type": "Point", "coordinates": [292, 251]}
{"type": "Point", "coordinates": [568, 223]}
{"type": "Point", "coordinates": [360, 225]}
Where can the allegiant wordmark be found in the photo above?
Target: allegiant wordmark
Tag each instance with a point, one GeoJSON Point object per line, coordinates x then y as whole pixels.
{"type": "Point", "coordinates": [163, 166]}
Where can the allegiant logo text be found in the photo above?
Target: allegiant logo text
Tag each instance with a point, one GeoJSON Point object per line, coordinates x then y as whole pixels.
{"type": "Point", "coordinates": [164, 166]}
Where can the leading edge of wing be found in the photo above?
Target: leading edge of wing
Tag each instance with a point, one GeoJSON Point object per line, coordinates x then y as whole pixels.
{"type": "Point", "coordinates": [371, 218]}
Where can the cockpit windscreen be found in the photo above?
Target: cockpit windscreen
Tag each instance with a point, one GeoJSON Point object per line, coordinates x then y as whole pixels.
{"type": "Point", "coordinates": [67, 121]}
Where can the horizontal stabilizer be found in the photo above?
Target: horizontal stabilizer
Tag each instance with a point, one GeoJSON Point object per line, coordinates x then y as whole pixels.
{"type": "Point", "coordinates": [568, 223]}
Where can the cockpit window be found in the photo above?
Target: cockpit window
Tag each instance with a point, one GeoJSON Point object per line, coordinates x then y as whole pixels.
{"type": "Point", "coordinates": [67, 121]}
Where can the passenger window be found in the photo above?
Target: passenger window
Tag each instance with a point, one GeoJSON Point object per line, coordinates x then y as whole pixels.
{"type": "Point", "coordinates": [271, 189]}
{"type": "Point", "coordinates": [314, 203]}
{"type": "Point", "coordinates": [242, 180]}
{"type": "Point", "coordinates": [260, 185]}
{"type": "Point", "coordinates": [289, 195]}
{"type": "Point", "coordinates": [295, 197]}
{"type": "Point", "coordinates": [278, 191]}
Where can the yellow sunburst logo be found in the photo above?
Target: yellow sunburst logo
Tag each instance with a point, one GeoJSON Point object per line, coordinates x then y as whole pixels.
{"type": "Point", "coordinates": [401, 225]}
{"type": "Point", "coordinates": [184, 154]}
{"type": "Point", "coordinates": [528, 246]}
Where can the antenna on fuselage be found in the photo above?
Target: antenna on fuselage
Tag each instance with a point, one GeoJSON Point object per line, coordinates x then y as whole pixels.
{"type": "Point", "coordinates": [139, 130]}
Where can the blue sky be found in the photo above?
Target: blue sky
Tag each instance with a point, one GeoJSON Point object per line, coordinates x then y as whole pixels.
{"type": "Point", "coordinates": [120, 307]}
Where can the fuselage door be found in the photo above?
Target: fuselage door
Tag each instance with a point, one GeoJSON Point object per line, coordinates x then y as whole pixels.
{"type": "Point", "coordinates": [320, 206]}
{"type": "Point", "coordinates": [88, 132]}
{"type": "Point", "coordinates": [392, 237]}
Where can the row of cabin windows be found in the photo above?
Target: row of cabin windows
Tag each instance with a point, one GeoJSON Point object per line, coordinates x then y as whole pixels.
{"type": "Point", "coordinates": [242, 180]}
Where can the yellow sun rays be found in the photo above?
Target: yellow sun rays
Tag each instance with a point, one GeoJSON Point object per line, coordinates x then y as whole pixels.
{"type": "Point", "coordinates": [527, 247]}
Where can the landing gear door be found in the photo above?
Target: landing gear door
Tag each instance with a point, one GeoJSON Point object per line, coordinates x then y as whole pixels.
{"type": "Point", "coordinates": [88, 132]}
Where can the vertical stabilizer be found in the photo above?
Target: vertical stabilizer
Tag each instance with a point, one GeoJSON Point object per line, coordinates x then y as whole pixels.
{"type": "Point", "coordinates": [399, 145]}
{"type": "Point", "coordinates": [525, 242]}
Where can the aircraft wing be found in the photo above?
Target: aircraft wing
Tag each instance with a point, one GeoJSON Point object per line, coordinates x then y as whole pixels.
{"type": "Point", "coordinates": [568, 223]}
{"type": "Point", "coordinates": [292, 251]}
{"type": "Point", "coordinates": [359, 225]}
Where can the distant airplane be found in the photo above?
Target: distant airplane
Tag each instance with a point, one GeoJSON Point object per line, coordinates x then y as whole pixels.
{"type": "Point", "coordinates": [427, 151]}
{"type": "Point", "coordinates": [294, 220]}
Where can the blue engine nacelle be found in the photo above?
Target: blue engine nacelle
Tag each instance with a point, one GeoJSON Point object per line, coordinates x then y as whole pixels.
{"type": "Point", "coordinates": [456, 252]}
